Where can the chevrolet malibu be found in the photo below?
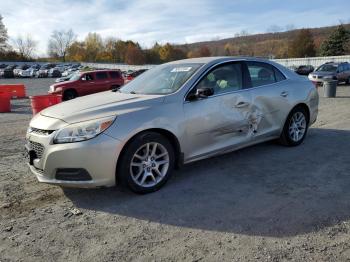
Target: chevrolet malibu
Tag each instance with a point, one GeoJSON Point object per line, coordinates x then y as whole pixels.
{"type": "Point", "coordinates": [173, 114]}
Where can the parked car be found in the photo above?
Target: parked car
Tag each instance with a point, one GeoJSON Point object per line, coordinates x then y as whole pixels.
{"type": "Point", "coordinates": [304, 70]}
{"type": "Point", "coordinates": [8, 71]}
{"type": "Point", "coordinates": [89, 82]}
{"type": "Point", "coordinates": [54, 72]}
{"type": "Point", "coordinates": [173, 114]}
{"type": "Point", "coordinates": [63, 79]}
{"type": "Point", "coordinates": [30, 72]}
{"type": "Point", "coordinates": [44, 70]}
{"type": "Point", "coordinates": [331, 71]}
{"type": "Point", "coordinates": [130, 76]}
{"type": "Point", "coordinates": [2, 68]}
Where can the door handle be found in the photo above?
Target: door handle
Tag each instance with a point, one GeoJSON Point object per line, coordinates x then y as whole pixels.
{"type": "Point", "coordinates": [284, 94]}
{"type": "Point", "coordinates": [241, 104]}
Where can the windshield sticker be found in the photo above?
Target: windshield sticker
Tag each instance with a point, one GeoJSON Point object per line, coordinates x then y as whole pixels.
{"type": "Point", "coordinates": [181, 69]}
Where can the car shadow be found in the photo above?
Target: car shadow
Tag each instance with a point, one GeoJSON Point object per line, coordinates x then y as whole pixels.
{"type": "Point", "coordinates": [263, 190]}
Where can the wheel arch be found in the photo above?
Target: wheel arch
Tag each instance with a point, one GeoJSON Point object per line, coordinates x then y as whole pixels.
{"type": "Point", "coordinates": [300, 104]}
{"type": "Point", "coordinates": [164, 132]}
{"type": "Point", "coordinates": [71, 89]}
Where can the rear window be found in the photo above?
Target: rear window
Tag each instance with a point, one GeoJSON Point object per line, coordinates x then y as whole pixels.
{"type": "Point", "coordinates": [114, 74]}
{"type": "Point", "coordinates": [101, 75]}
{"type": "Point", "coordinates": [263, 74]}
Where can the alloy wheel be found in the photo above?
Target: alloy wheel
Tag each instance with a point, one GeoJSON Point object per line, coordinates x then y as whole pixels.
{"type": "Point", "coordinates": [149, 164]}
{"type": "Point", "coordinates": [297, 126]}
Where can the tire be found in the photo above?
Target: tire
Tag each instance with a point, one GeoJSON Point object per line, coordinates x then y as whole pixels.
{"type": "Point", "coordinates": [137, 170]}
{"type": "Point", "coordinates": [347, 81]}
{"type": "Point", "coordinates": [115, 87]}
{"type": "Point", "coordinates": [295, 128]}
{"type": "Point", "coordinates": [69, 95]}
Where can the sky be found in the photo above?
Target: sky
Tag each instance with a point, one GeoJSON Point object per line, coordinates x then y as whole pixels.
{"type": "Point", "coordinates": [174, 21]}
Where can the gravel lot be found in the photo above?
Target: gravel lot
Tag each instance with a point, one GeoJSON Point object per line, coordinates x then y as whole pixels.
{"type": "Point", "coordinates": [263, 203]}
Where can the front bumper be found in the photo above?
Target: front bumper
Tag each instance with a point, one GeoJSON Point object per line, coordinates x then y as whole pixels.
{"type": "Point", "coordinates": [97, 156]}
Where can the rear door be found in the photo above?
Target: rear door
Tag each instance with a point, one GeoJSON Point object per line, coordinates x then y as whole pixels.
{"type": "Point", "coordinates": [219, 122]}
{"type": "Point", "coordinates": [270, 93]}
{"type": "Point", "coordinates": [103, 82]}
{"type": "Point", "coordinates": [116, 79]}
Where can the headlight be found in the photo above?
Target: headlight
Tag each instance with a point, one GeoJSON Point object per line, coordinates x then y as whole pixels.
{"type": "Point", "coordinates": [52, 88]}
{"type": "Point", "coordinates": [82, 131]}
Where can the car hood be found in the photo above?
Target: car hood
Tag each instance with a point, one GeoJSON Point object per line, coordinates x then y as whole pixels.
{"type": "Point", "coordinates": [100, 105]}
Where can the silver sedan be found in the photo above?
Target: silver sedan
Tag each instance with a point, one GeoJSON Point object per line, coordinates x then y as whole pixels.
{"type": "Point", "coordinates": [171, 115]}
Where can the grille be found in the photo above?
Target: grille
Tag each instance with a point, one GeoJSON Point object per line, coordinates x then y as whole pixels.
{"type": "Point", "coordinates": [37, 148]}
{"type": "Point", "coordinates": [40, 131]}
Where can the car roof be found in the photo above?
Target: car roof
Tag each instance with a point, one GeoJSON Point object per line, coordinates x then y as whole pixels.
{"type": "Point", "coordinates": [215, 59]}
{"type": "Point", "coordinates": [100, 70]}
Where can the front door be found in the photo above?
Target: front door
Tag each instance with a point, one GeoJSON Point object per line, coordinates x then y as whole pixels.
{"type": "Point", "coordinates": [87, 84]}
{"type": "Point", "coordinates": [221, 121]}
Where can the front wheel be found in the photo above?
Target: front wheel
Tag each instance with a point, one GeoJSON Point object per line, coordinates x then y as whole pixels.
{"type": "Point", "coordinates": [147, 163]}
{"type": "Point", "coordinates": [295, 127]}
{"type": "Point", "coordinates": [69, 95]}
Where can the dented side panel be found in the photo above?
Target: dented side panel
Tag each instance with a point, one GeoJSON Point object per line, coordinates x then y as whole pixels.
{"type": "Point", "coordinates": [218, 122]}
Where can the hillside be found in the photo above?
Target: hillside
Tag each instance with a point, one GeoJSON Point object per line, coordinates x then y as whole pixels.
{"type": "Point", "coordinates": [265, 45]}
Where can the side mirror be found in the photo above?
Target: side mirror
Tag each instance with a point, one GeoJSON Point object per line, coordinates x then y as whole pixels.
{"type": "Point", "coordinates": [202, 92]}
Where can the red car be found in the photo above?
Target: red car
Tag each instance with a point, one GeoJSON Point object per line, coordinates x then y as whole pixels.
{"type": "Point", "coordinates": [85, 83]}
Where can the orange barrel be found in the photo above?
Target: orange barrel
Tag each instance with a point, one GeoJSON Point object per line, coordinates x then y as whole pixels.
{"type": "Point", "coordinates": [5, 104]}
{"type": "Point", "coordinates": [39, 103]}
{"type": "Point", "coordinates": [16, 90]}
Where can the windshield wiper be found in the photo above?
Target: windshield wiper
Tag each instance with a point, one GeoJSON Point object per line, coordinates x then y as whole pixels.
{"type": "Point", "coordinates": [133, 92]}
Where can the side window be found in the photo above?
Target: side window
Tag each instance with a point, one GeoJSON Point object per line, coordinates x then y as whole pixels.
{"type": "Point", "coordinates": [88, 77]}
{"type": "Point", "coordinates": [224, 78]}
{"type": "Point", "coordinates": [340, 68]}
{"type": "Point", "coordinates": [278, 75]}
{"type": "Point", "coordinates": [263, 74]}
{"type": "Point", "coordinates": [114, 74]}
{"type": "Point", "coordinates": [101, 75]}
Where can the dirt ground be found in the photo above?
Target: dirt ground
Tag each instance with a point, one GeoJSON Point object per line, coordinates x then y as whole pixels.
{"type": "Point", "coordinates": [263, 203]}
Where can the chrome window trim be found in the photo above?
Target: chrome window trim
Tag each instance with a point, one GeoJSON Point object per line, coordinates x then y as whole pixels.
{"type": "Point", "coordinates": [230, 92]}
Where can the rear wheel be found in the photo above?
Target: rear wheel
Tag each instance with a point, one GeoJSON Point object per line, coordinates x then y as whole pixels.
{"type": "Point", "coordinates": [69, 94]}
{"type": "Point", "coordinates": [295, 127]}
{"type": "Point", "coordinates": [147, 163]}
{"type": "Point", "coordinates": [115, 87]}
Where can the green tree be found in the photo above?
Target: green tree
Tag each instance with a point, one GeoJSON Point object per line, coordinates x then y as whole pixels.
{"type": "Point", "coordinates": [336, 43]}
{"type": "Point", "coordinates": [303, 45]}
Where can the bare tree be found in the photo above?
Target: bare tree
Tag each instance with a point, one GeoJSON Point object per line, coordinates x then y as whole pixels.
{"type": "Point", "coordinates": [60, 42]}
{"type": "Point", "coordinates": [25, 46]}
{"type": "Point", "coordinates": [3, 36]}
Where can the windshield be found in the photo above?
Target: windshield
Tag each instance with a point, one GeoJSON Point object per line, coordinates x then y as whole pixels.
{"type": "Point", "coordinates": [162, 79]}
{"type": "Point", "coordinates": [74, 77]}
{"type": "Point", "coordinates": [327, 68]}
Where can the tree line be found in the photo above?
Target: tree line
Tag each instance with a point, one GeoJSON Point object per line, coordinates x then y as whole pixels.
{"type": "Point", "coordinates": [63, 45]}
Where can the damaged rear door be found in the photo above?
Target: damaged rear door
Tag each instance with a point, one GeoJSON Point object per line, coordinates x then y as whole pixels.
{"type": "Point", "coordinates": [221, 121]}
{"type": "Point", "coordinates": [269, 94]}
